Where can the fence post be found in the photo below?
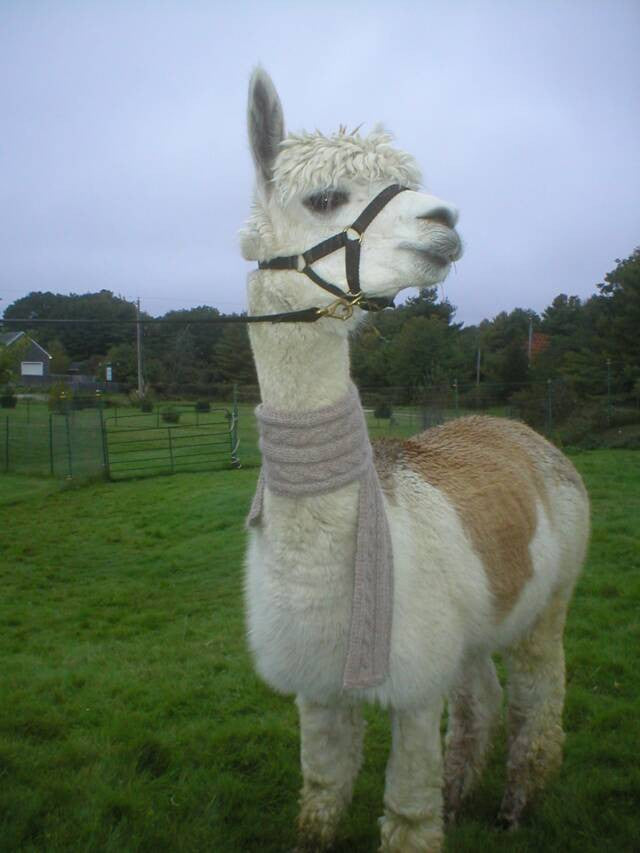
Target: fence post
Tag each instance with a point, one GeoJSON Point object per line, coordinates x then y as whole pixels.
{"type": "Point", "coordinates": [6, 444]}
{"type": "Point", "coordinates": [51, 443]}
{"type": "Point", "coordinates": [235, 440]}
{"type": "Point", "coordinates": [105, 446]}
{"type": "Point", "coordinates": [170, 449]}
{"type": "Point", "coordinates": [69, 450]}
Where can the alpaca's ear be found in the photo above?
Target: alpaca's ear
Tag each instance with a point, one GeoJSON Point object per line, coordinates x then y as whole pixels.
{"type": "Point", "coordinates": [266, 124]}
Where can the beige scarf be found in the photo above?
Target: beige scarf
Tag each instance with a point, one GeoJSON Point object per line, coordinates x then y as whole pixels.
{"type": "Point", "coordinates": [316, 452]}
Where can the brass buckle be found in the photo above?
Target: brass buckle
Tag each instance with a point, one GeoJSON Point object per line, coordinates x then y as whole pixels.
{"type": "Point", "coordinates": [341, 309]}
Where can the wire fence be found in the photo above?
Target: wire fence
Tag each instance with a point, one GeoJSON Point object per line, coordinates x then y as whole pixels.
{"type": "Point", "coordinates": [121, 441]}
{"type": "Point", "coordinates": [94, 442]}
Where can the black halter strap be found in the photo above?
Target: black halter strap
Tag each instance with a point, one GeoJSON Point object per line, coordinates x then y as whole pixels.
{"type": "Point", "coordinates": [350, 240]}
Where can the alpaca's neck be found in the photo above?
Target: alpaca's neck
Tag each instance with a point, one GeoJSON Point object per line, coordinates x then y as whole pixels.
{"type": "Point", "coordinates": [300, 369]}
{"type": "Point", "coordinates": [301, 366]}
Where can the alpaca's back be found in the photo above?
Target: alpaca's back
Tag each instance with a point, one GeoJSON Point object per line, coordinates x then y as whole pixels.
{"type": "Point", "coordinates": [489, 521]}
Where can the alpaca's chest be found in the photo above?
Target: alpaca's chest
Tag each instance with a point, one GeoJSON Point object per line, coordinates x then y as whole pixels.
{"type": "Point", "coordinates": [299, 589]}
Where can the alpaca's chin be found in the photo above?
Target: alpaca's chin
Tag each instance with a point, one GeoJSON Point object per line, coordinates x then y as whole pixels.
{"type": "Point", "coordinates": [422, 278]}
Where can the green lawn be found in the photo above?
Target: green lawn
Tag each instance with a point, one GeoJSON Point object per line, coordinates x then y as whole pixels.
{"type": "Point", "coordinates": [131, 719]}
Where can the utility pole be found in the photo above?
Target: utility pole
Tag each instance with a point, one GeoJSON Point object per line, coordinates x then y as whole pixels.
{"type": "Point", "coordinates": [139, 349]}
{"type": "Point", "coordinates": [608, 391]}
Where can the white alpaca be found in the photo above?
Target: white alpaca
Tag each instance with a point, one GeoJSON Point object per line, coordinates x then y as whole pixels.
{"type": "Point", "coordinates": [489, 522]}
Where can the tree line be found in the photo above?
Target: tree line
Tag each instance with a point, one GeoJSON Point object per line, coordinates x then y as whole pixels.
{"type": "Point", "coordinates": [586, 343]}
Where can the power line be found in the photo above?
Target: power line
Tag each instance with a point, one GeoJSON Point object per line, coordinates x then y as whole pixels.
{"type": "Point", "coordinates": [150, 321]}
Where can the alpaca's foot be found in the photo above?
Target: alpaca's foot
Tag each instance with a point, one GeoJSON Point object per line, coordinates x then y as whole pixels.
{"type": "Point", "coordinates": [318, 821]}
{"type": "Point", "coordinates": [513, 804]}
{"type": "Point", "coordinates": [475, 704]}
{"type": "Point", "coordinates": [532, 759]}
{"type": "Point", "coordinates": [402, 835]}
{"type": "Point", "coordinates": [453, 795]}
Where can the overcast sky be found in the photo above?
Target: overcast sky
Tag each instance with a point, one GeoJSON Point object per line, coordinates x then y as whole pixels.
{"type": "Point", "coordinates": [124, 162]}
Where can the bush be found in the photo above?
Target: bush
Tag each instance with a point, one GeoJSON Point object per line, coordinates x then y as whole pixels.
{"type": "Point", "coordinates": [203, 406]}
{"type": "Point", "coordinates": [624, 417]}
{"type": "Point", "coordinates": [382, 409]}
{"type": "Point", "coordinates": [532, 404]}
{"type": "Point", "coordinates": [8, 399]}
{"type": "Point", "coordinates": [171, 415]}
{"type": "Point", "coordinates": [60, 398]}
{"type": "Point", "coordinates": [146, 406]}
{"type": "Point", "coordinates": [84, 401]}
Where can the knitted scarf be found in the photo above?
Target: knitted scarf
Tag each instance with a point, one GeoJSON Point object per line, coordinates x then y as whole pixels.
{"type": "Point", "coordinates": [316, 452]}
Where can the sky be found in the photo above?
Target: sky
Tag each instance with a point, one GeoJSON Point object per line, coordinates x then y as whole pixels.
{"type": "Point", "coordinates": [124, 162]}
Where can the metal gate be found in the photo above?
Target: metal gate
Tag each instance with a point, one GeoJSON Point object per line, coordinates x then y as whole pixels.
{"type": "Point", "coordinates": [145, 448]}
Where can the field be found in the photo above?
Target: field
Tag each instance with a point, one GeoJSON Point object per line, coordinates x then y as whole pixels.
{"type": "Point", "coordinates": [131, 719]}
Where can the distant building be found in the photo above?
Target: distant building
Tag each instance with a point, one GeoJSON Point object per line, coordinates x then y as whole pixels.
{"type": "Point", "coordinates": [34, 360]}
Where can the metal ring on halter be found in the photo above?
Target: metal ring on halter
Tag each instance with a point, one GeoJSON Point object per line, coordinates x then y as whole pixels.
{"type": "Point", "coordinates": [358, 236]}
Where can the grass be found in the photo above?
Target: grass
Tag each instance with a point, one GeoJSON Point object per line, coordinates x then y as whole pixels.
{"type": "Point", "coordinates": [131, 719]}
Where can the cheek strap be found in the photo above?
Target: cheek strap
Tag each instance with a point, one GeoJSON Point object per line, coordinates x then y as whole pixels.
{"type": "Point", "coordinates": [350, 239]}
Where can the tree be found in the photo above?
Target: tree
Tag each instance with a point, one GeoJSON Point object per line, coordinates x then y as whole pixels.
{"type": "Point", "coordinates": [233, 357]}
{"type": "Point", "coordinates": [620, 293]}
{"type": "Point", "coordinates": [10, 358]}
{"type": "Point", "coordinates": [59, 359]}
{"type": "Point", "coordinates": [124, 362]}
{"type": "Point", "coordinates": [80, 340]}
{"type": "Point", "coordinates": [424, 354]}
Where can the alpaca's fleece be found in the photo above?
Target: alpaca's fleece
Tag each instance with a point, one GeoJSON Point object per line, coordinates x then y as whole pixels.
{"type": "Point", "coordinates": [311, 161]}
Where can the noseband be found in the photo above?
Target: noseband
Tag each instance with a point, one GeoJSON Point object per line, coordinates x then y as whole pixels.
{"type": "Point", "coordinates": [350, 240]}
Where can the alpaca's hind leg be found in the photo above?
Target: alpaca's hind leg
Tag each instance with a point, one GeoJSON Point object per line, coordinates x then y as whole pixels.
{"type": "Point", "coordinates": [412, 821]}
{"type": "Point", "coordinates": [474, 708]}
{"type": "Point", "coordinates": [536, 696]}
{"type": "Point", "coordinates": [330, 753]}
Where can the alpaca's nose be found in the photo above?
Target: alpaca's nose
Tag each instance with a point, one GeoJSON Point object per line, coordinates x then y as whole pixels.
{"type": "Point", "coordinates": [444, 214]}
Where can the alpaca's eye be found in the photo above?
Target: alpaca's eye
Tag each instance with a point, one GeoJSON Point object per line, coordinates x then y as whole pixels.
{"type": "Point", "coordinates": [326, 201]}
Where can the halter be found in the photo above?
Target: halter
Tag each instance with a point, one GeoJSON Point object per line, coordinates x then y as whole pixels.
{"type": "Point", "coordinates": [350, 239]}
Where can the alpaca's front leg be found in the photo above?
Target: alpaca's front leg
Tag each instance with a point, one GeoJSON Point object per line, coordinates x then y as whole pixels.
{"type": "Point", "coordinates": [330, 753]}
{"type": "Point", "coordinates": [412, 821]}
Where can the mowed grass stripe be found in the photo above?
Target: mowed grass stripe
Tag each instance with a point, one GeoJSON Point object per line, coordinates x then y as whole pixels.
{"type": "Point", "coordinates": [131, 719]}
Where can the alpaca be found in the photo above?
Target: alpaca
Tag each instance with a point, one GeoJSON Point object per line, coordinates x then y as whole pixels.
{"type": "Point", "coordinates": [488, 522]}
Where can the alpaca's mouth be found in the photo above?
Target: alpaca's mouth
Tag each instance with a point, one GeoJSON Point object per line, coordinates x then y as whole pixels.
{"type": "Point", "coordinates": [443, 249]}
{"type": "Point", "coordinates": [434, 258]}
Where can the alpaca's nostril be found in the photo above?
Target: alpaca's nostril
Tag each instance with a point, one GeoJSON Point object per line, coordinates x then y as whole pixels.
{"type": "Point", "coordinates": [442, 216]}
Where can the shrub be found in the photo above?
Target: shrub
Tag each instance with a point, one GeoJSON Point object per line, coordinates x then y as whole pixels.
{"type": "Point", "coordinates": [171, 415]}
{"type": "Point", "coordinates": [8, 399]}
{"type": "Point", "coordinates": [146, 406]}
{"type": "Point", "coordinates": [532, 404]}
{"type": "Point", "coordinates": [203, 406]}
{"type": "Point", "coordinates": [60, 398]}
{"type": "Point", "coordinates": [624, 417]}
{"type": "Point", "coordinates": [382, 409]}
{"type": "Point", "coordinates": [83, 401]}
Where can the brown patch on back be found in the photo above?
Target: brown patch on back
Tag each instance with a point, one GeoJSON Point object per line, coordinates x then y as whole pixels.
{"type": "Point", "coordinates": [492, 471]}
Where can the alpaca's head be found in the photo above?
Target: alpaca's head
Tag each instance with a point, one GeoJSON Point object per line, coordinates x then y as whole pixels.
{"type": "Point", "coordinates": [311, 186]}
